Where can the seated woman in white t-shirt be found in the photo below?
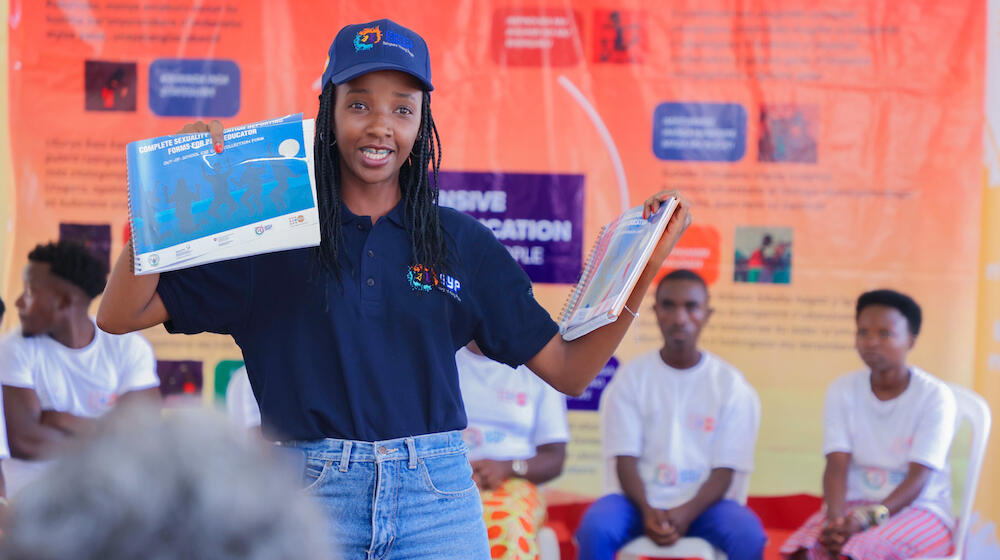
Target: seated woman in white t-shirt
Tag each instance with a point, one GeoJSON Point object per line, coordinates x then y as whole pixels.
{"type": "Point", "coordinates": [517, 438]}
{"type": "Point", "coordinates": [887, 432]}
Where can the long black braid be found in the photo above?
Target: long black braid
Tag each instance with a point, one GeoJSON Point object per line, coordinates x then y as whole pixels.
{"type": "Point", "coordinates": [418, 181]}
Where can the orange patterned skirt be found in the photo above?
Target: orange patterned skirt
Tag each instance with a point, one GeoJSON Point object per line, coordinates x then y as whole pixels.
{"type": "Point", "coordinates": [513, 514]}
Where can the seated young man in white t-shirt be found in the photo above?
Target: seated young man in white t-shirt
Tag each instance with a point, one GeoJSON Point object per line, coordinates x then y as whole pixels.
{"type": "Point", "coordinates": [59, 371]}
{"type": "Point", "coordinates": [679, 429]}
{"type": "Point", "coordinates": [887, 432]}
{"type": "Point", "coordinates": [517, 436]}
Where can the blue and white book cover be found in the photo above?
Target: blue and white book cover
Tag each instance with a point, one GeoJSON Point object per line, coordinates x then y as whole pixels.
{"type": "Point", "coordinates": [190, 205]}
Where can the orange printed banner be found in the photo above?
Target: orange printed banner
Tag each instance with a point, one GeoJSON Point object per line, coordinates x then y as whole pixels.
{"type": "Point", "coordinates": [826, 148]}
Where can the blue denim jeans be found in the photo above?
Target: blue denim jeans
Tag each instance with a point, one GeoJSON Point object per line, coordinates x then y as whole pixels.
{"type": "Point", "coordinates": [613, 521]}
{"type": "Point", "coordinates": [401, 499]}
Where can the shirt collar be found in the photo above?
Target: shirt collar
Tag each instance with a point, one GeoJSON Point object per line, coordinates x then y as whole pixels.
{"type": "Point", "coordinates": [397, 215]}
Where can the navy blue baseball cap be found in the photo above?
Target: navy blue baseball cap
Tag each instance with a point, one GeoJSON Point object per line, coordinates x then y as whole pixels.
{"type": "Point", "coordinates": [379, 45]}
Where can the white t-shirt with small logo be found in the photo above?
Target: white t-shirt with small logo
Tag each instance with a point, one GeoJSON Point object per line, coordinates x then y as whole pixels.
{"type": "Point", "coordinates": [81, 381]}
{"type": "Point", "coordinates": [511, 411]}
{"type": "Point", "coordinates": [681, 424]}
{"type": "Point", "coordinates": [884, 437]}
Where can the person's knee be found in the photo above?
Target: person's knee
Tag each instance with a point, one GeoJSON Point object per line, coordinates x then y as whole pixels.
{"type": "Point", "coordinates": [602, 525]}
{"type": "Point", "coordinates": [595, 530]}
{"type": "Point", "coordinates": [749, 537]}
{"type": "Point", "coordinates": [744, 535]}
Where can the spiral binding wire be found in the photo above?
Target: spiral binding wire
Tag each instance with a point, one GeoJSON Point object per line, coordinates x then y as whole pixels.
{"type": "Point", "coordinates": [588, 269]}
{"type": "Point", "coordinates": [136, 264]}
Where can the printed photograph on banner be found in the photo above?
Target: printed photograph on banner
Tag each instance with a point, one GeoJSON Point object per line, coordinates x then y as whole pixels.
{"type": "Point", "coordinates": [180, 382]}
{"type": "Point", "coordinates": [788, 133]}
{"type": "Point", "coordinates": [109, 86]}
{"type": "Point", "coordinates": [762, 255]}
{"type": "Point", "coordinates": [619, 36]}
{"type": "Point", "coordinates": [95, 237]}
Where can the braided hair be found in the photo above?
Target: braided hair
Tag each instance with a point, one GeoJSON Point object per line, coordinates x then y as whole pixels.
{"type": "Point", "coordinates": [418, 182]}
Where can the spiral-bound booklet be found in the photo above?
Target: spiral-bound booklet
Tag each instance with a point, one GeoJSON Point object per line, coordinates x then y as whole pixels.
{"type": "Point", "coordinates": [189, 205]}
{"type": "Point", "coordinates": [618, 258]}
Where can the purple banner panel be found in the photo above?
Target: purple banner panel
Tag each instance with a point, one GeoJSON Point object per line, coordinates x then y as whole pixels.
{"type": "Point", "coordinates": [538, 217]}
{"type": "Point", "coordinates": [591, 397]}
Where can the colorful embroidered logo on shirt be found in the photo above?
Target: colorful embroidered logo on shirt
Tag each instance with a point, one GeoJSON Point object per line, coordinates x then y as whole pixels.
{"type": "Point", "coordinates": [423, 279]}
{"type": "Point", "coordinates": [367, 38]}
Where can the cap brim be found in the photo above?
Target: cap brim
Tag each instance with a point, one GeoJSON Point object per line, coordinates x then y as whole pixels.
{"type": "Point", "coordinates": [352, 72]}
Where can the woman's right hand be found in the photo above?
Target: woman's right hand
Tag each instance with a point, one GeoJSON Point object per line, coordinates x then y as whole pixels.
{"type": "Point", "coordinates": [214, 128]}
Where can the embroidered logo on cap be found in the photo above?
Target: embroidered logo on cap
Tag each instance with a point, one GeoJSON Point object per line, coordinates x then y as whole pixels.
{"type": "Point", "coordinates": [367, 38]}
{"type": "Point", "coordinates": [393, 39]}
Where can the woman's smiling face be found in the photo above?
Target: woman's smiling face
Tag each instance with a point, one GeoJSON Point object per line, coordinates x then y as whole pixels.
{"type": "Point", "coordinates": [376, 122]}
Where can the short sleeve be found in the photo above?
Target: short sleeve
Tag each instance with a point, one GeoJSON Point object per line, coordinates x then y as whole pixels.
{"type": "Point", "coordinates": [935, 430]}
{"type": "Point", "coordinates": [15, 362]}
{"type": "Point", "coordinates": [836, 431]}
{"type": "Point", "coordinates": [737, 429]}
{"type": "Point", "coordinates": [213, 297]}
{"type": "Point", "coordinates": [621, 420]}
{"type": "Point", "coordinates": [512, 326]}
{"type": "Point", "coordinates": [140, 364]}
{"type": "Point", "coordinates": [551, 425]}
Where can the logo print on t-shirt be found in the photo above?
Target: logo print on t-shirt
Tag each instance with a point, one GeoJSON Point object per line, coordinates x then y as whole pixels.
{"type": "Point", "coordinates": [666, 475]}
{"type": "Point", "coordinates": [99, 400]}
{"type": "Point", "coordinates": [902, 445]}
{"type": "Point", "coordinates": [423, 279]}
{"type": "Point", "coordinates": [875, 478]}
{"type": "Point", "coordinates": [473, 437]}
{"type": "Point", "coordinates": [701, 423]}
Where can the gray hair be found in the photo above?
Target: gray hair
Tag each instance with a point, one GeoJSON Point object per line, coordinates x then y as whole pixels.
{"type": "Point", "coordinates": [164, 489]}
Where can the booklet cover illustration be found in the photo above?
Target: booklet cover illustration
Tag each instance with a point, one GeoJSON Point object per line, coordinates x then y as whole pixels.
{"type": "Point", "coordinates": [190, 205]}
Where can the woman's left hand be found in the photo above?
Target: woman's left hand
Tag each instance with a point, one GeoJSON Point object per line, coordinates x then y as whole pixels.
{"type": "Point", "coordinates": [678, 223]}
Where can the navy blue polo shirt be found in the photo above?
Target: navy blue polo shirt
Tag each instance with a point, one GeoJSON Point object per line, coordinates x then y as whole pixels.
{"type": "Point", "coordinates": [372, 356]}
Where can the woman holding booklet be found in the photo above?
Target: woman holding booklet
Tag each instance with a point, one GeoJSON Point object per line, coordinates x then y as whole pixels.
{"type": "Point", "coordinates": [350, 347]}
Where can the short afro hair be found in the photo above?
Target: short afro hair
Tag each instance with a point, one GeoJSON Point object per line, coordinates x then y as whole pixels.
{"type": "Point", "coordinates": [683, 274]}
{"type": "Point", "coordinates": [896, 300]}
{"type": "Point", "coordinates": [74, 263]}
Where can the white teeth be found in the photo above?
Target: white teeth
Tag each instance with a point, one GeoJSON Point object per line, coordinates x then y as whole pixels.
{"type": "Point", "coordinates": [376, 153]}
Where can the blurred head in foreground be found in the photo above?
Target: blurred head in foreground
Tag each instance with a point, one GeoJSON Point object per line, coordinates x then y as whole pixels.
{"type": "Point", "coordinates": [159, 489]}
